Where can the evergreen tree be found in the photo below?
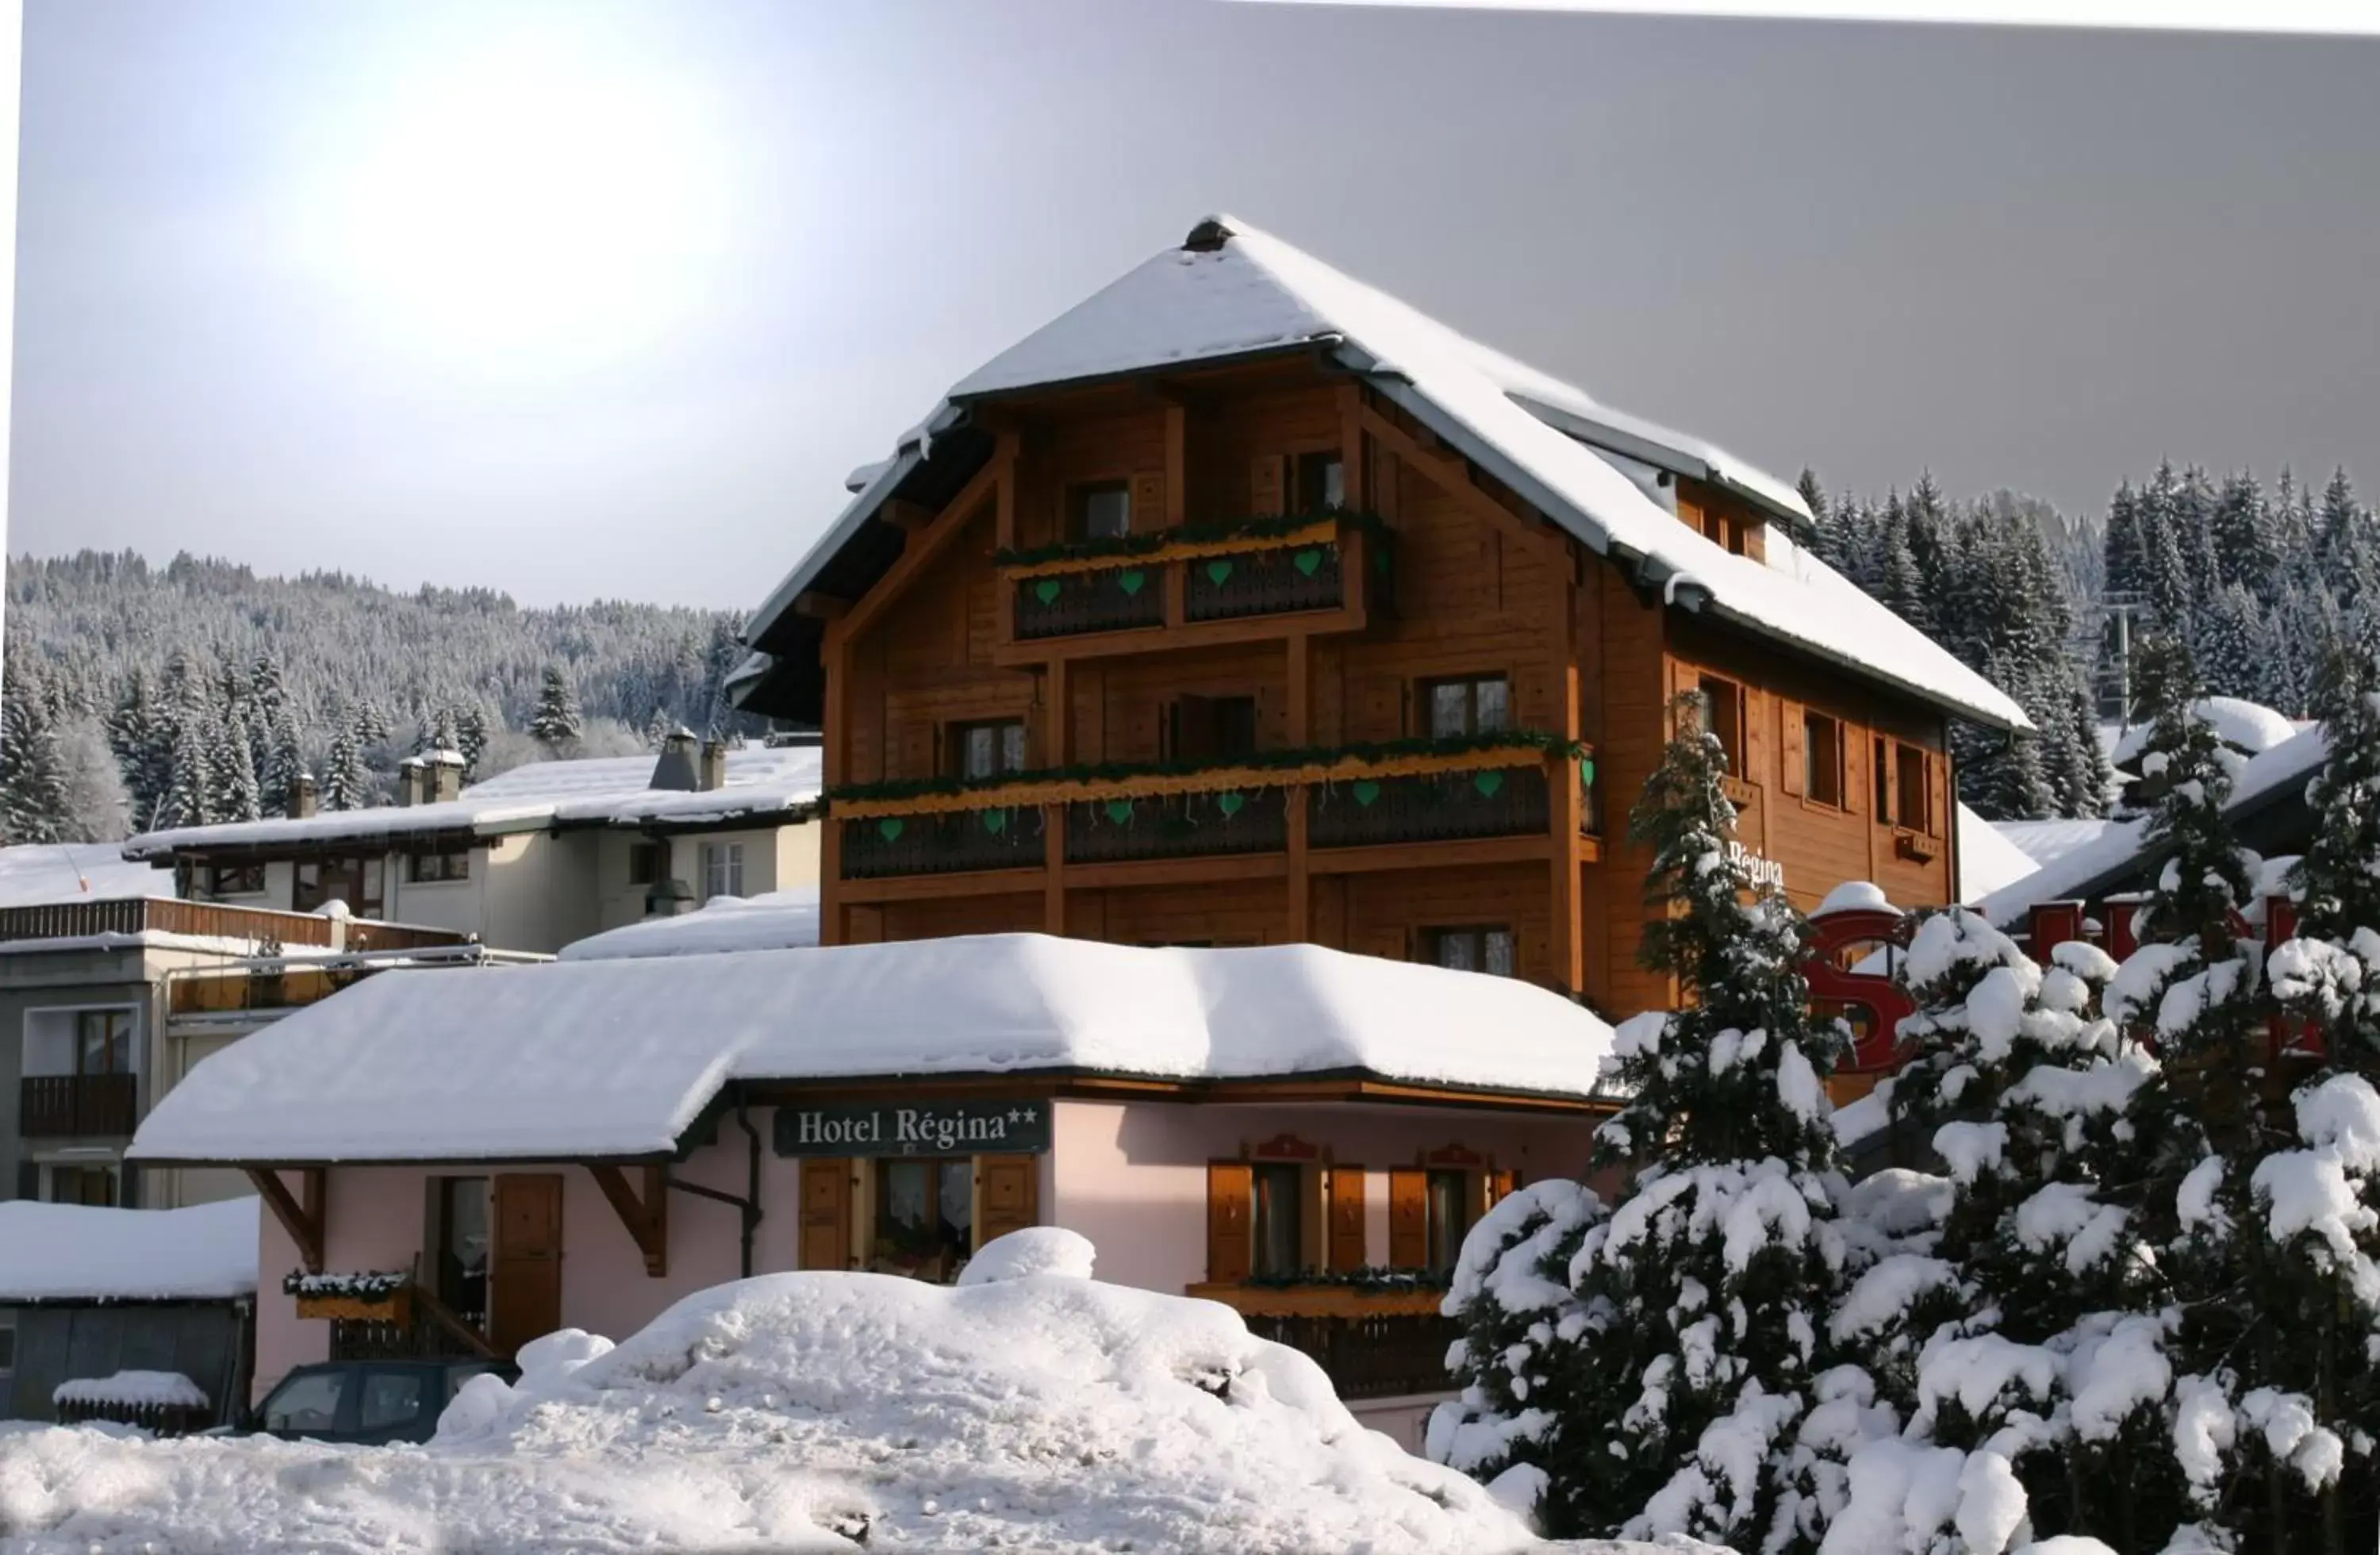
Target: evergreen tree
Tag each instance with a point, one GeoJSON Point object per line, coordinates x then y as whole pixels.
{"type": "Point", "coordinates": [555, 725]}
{"type": "Point", "coordinates": [231, 771]}
{"type": "Point", "coordinates": [32, 771]}
{"type": "Point", "coordinates": [2125, 566]}
{"type": "Point", "coordinates": [2243, 535]}
{"type": "Point", "coordinates": [2229, 644]}
{"type": "Point", "coordinates": [189, 778]}
{"type": "Point", "coordinates": [346, 782]}
{"type": "Point", "coordinates": [472, 735]}
{"type": "Point", "coordinates": [284, 762]}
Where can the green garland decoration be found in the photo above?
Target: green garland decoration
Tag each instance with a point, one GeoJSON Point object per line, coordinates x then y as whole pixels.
{"type": "Point", "coordinates": [1370, 1278]}
{"type": "Point", "coordinates": [372, 1285]}
{"type": "Point", "coordinates": [1124, 547]}
{"type": "Point", "coordinates": [1268, 760]}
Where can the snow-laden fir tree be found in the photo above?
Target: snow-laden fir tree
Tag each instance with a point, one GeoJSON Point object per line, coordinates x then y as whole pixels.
{"type": "Point", "coordinates": [472, 735]}
{"type": "Point", "coordinates": [1676, 1405]}
{"type": "Point", "coordinates": [32, 769]}
{"type": "Point", "coordinates": [346, 782]}
{"type": "Point", "coordinates": [232, 793]}
{"type": "Point", "coordinates": [555, 723]}
{"type": "Point", "coordinates": [284, 761]}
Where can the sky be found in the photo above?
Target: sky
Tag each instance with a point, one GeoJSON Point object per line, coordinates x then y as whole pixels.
{"type": "Point", "coordinates": [582, 299]}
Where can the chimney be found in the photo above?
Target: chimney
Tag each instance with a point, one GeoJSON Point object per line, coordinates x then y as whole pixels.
{"type": "Point", "coordinates": [441, 772]}
{"type": "Point", "coordinates": [408, 781]}
{"type": "Point", "coordinates": [714, 765]}
{"type": "Point", "coordinates": [302, 801]}
{"type": "Point", "coordinates": [675, 768]}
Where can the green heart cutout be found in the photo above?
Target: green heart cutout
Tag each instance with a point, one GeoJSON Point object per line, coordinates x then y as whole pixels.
{"type": "Point", "coordinates": [1487, 783]}
{"type": "Point", "coordinates": [1230, 804]}
{"type": "Point", "coordinates": [1307, 561]}
{"type": "Point", "coordinates": [1119, 810]}
{"type": "Point", "coordinates": [891, 828]}
{"type": "Point", "coordinates": [995, 822]}
{"type": "Point", "coordinates": [1219, 572]}
{"type": "Point", "coordinates": [1046, 590]}
{"type": "Point", "coordinates": [1131, 581]}
{"type": "Point", "coordinates": [1366, 791]}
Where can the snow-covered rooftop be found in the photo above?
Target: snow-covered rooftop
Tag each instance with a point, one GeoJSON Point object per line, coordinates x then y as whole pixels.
{"type": "Point", "coordinates": [70, 1252]}
{"type": "Point", "coordinates": [37, 874]}
{"type": "Point", "coordinates": [2251, 728]}
{"type": "Point", "coordinates": [2044, 842]}
{"type": "Point", "coordinates": [772, 920]}
{"type": "Point", "coordinates": [762, 781]}
{"type": "Point", "coordinates": [1987, 860]}
{"type": "Point", "coordinates": [617, 1057]}
{"type": "Point", "coordinates": [1236, 290]}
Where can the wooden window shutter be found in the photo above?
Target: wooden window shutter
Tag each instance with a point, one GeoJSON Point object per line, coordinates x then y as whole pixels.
{"type": "Point", "coordinates": [1756, 737]}
{"type": "Point", "coordinates": [1012, 1195]}
{"type": "Point", "coordinates": [826, 1213]}
{"type": "Point", "coordinates": [1502, 1186]}
{"type": "Point", "coordinates": [1148, 503]}
{"type": "Point", "coordinates": [1408, 1217]}
{"type": "Point", "coordinates": [1230, 1191]}
{"type": "Point", "coordinates": [1794, 735]}
{"type": "Point", "coordinates": [1346, 1248]}
{"type": "Point", "coordinates": [1268, 480]}
{"type": "Point", "coordinates": [1937, 776]}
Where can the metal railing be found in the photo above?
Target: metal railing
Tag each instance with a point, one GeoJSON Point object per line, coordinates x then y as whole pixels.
{"type": "Point", "coordinates": [993, 837]}
{"type": "Point", "coordinates": [66, 1105]}
{"type": "Point", "coordinates": [1428, 808]}
{"type": "Point", "coordinates": [1177, 826]}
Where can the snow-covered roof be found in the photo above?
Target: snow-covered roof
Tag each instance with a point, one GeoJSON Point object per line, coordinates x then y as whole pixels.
{"type": "Point", "coordinates": [70, 1252]}
{"type": "Point", "coordinates": [772, 920]}
{"type": "Point", "coordinates": [39, 874]}
{"type": "Point", "coordinates": [762, 781]}
{"type": "Point", "coordinates": [1235, 290]}
{"type": "Point", "coordinates": [2044, 842]}
{"type": "Point", "coordinates": [2098, 864]}
{"type": "Point", "coordinates": [617, 1057]}
{"type": "Point", "coordinates": [1987, 861]}
{"type": "Point", "coordinates": [2251, 728]}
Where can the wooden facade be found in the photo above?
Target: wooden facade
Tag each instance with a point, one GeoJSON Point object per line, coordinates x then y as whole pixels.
{"type": "Point", "coordinates": [1136, 704]}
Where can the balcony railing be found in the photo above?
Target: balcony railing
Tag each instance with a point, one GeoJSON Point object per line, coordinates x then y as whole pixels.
{"type": "Point", "coordinates": [1490, 801]}
{"type": "Point", "coordinates": [1284, 568]}
{"type": "Point", "coordinates": [68, 1106]}
{"type": "Point", "coordinates": [1264, 583]}
{"type": "Point", "coordinates": [1109, 600]}
{"type": "Point", "coordinates": [1371, 1345]}
{"type": "Point", "coordinates": [136, 914]}
{"type": "Point", "coordinates": [1356, 799]}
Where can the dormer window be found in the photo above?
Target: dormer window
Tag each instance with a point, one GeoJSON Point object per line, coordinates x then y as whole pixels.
{"type": "Point", "coordinates": [1101, 510]}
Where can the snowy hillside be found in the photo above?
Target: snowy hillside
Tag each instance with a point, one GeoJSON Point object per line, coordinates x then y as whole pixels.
{"type": "Point", "coordinates": [802, 1411]}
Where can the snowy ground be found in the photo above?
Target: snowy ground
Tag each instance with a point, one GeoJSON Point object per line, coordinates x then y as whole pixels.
{"type": "Point", "coordinates": [801, 1412]}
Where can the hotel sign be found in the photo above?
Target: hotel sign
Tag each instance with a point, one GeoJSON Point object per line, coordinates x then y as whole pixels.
{"type": "Point", "coordinates": [940, 1129]}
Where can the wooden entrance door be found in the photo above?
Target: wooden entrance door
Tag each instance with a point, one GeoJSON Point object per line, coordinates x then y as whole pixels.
{"type": "Point", "coordinates": [826, 1213]}
{"type": "Point", "coordinates": [525, 1275]}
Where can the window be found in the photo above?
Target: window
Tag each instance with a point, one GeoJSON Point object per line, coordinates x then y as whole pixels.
{"type": "Point", "coordinates": [1322, 481]}
{"type": "Point", "coordinates": [986, 750]}
{"type": "Point", "coordinates": [461, 1239]}
{"type": "Point", "coordinates": [1278, 1233]}
{"type": "Point", "coordinates": [90, 1186]}
{"type": "Point", "coordinates": [1723, 706]}
{"type": "Point", "coordinates": [1450, 1197]}
{"type": "Point", "coordinates": [1910, 807]}
{"type": "Point", "coordinates": [426, 868]}
{"type": "Point", "coordinates": [8, 1344]}
{"type": "Point", "coordinates": [103, 1041]}
{"type": "Point", "coordinates": [925, 1218]}
{"type": "Point", "coordinates": [355, 882]}
{"type": "Point", "coordinates": [1479, 706]}
{"type": "Point", "coordinates": [723, 869]}
{"type": "Point", "coordinates": [305, 1403]}
{"type": "Point", "coordinates": [1882, 771]}
{"type": "Point", "coordinates": [648, 863]}
{"type": "Point", "coordinates": [1471, 950]}
{"type": "Point", "coordinates": [390, 1397]}
{"type": "Point", "coordinates": [1210, 728]}
{"type": "Point", "coordinates": [1822, 748]}
{"type": "Point", "coordinates": [1099, 511]}
{"type": "Point", "coordinates": [234, 880]}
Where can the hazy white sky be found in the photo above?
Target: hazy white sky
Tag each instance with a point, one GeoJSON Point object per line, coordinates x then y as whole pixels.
{"type": "Point", "coordinates": [579, 298]}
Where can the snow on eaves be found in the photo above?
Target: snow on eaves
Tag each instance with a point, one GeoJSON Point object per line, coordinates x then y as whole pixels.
{"type": "Point", "coordinates": [71, 1252]}
{"type": "Point", "coordinates": [618, 1057]}
{"type": "Point", "coordinates": [1255, 292]}
{"type": "Point", "coordinates": [777, 782]}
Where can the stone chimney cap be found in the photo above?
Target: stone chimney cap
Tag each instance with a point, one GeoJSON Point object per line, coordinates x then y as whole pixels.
{"type": "Point", "coordinates": [442, 759]}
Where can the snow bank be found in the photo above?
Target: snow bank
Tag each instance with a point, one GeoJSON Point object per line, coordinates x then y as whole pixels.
{"type": "Point", "coordinates": [800, 1412]}
{"type": "Point", "coordinates": [622, 1054]}
{"type": "Point", "coordinates": [774, 920]}
{"type": "Point", "coordinates": [165, 1389]}
{"type": "Point", "coordinates": [68, 1252]}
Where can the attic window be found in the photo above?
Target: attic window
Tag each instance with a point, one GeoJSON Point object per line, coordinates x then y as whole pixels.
{"type": "Point", "coordinates": [1099, 511]}
{"type": "Point", "coordinates": [1321, 482]}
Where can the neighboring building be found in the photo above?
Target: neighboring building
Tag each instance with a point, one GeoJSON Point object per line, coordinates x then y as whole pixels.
{"type": "Point", "coordinates": [583, 1142]}
{"type": "Point", "coordinates": [105, 1004]}
{"type": "Point", "coordinates": [1243, 604]}
{"type": "Point", "coordinates": [86, 1294]}
{"type": "Point", "coordinates": [532, 859]}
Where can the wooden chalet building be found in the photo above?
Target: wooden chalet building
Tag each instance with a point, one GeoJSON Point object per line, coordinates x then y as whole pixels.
{"type": "Point", "coordinates": [1243, 603]}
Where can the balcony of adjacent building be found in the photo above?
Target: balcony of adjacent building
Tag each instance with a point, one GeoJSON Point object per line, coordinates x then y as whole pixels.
{"type": "Point", "coordinates": [1418, 802]}
{"type": "Point", "coordinates": [96, 922]}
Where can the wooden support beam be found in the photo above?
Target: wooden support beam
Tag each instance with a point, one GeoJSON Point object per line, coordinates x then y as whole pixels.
{"type": "Point", "coordinates": [909, 518]}
{"type": "Point", "coordinates": [647, 1218]}
{"type": "Point", "coordinates": [303, 1220]}
{"type": "Point", "coordinates": [1452, 473]}
{"type": "Point", "coordinates": [820, 607]}
{"type": "Point", "coordinates": [921, 550]}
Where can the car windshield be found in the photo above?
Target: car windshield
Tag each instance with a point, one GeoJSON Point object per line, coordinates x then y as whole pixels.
{"type": "Point", "coordinates": [305, 1403]}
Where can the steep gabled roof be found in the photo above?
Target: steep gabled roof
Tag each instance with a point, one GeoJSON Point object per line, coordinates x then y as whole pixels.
{"type": "Point", "coordinates": [1232, 292]}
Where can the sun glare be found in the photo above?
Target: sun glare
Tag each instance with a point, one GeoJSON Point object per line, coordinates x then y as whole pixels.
{"type": "Point", "coordinates": [535, 211]}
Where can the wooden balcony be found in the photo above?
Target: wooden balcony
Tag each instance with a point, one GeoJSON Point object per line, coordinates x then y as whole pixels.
{"type": "Point", "coordinates": [136, 915]}
{"type": "Point", "coordinates": [1371, 1344]}
{"type": "Point", "coordinates": [1328, 574]}
{"type": "Point", "coordinates": [1349, 801]}
{"type": "Point", "coordinates": [74, 1106]}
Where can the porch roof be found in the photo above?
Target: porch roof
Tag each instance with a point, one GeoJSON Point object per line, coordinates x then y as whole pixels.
{"type": "Point", "coordinates": [74, 1253]}
{"type": "Point", "coordinates": [618, 1058]}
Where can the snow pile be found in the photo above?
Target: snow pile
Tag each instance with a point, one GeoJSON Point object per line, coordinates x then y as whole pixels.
{"type": "Point", "coordinates": [2250, 728]}
{"type": "Point", "coordinates": [134, 1390]}
{"type": "Point", "coordinates": [817, 1411]}
{"type": "Point", "coordinates": [772, 920]}
{"type": "Point", "coordinates": [70, 1252]}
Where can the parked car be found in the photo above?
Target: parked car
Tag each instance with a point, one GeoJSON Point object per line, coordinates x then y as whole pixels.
{"type": "Point", "coordinates": [368, 1401]}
